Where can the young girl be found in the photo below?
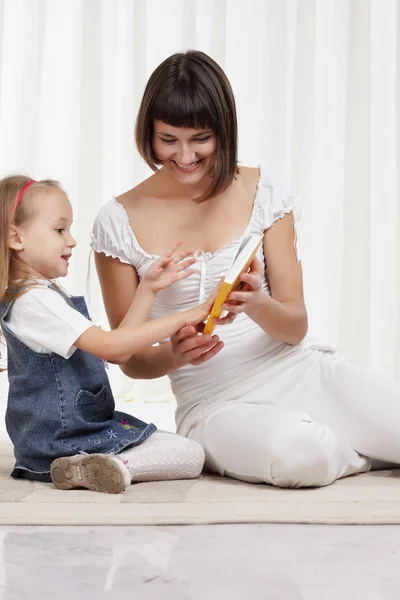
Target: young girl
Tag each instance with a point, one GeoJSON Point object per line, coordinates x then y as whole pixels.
{"type": "Point", "coordinates": [60, 414]}
{"type": "Point", "coordinates": [270, 406]}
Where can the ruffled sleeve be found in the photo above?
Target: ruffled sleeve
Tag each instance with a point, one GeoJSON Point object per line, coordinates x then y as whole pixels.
{"type": "Point", "coordinates": [113, 236]}
{"type": "Point", "coordinates": [276, 202]}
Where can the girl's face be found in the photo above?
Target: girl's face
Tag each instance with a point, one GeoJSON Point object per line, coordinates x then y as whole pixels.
{"type": "Point", "coordinates": [187, 154]}
{"type": "Point", "coordinates": [44, 241]}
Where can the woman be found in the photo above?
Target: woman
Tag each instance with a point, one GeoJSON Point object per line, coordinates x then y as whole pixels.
{"type": "Point", "coordinates": [265, 404]}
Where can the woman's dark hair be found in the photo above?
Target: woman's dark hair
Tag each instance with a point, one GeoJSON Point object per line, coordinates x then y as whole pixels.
{"type": "Point", "coordinates": [191, 90]}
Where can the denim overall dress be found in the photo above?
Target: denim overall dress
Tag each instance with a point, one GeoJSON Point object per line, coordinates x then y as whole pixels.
{"type": "Point", "coordinates": [60, 407]}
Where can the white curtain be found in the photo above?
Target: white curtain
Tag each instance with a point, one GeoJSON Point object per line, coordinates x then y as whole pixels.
{"type": "Point", "coordinates": [317, 85]}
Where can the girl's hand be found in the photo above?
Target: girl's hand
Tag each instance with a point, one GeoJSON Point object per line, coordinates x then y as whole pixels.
{"type": "Point", "coordinates": [195, 316]}
{"type": "Point", "coordinates": [171, 267]}
{"type": "Point", "coordinates": [248, 298]}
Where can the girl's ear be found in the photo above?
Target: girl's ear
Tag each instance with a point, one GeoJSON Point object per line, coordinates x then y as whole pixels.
{"type": "Point", "coordinates": [15, 241]}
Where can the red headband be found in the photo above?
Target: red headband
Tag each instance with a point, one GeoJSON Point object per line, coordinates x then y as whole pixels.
{"type": "Point", "coordinates": [21, 193]}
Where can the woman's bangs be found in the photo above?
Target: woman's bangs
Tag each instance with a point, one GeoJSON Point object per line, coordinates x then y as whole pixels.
{"type": "Point", "coordinates": [182, 108]}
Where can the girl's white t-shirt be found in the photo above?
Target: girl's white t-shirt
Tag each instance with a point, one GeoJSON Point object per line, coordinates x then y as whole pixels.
{"type": "Point", "coordinates": [45, 322]}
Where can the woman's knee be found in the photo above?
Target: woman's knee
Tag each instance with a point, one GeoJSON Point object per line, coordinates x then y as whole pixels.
{"type": "Point", "coordinates": [303, 454]}
{"type": "Point", "coordinates": [292, 451]}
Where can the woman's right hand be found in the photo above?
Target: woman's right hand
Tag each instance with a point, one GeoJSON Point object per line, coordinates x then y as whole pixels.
{"type": "Point", "coordinates": [190, 346]}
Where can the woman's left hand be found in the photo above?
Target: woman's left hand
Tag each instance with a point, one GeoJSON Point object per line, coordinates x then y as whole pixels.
{"type": "Point", "coordinates": [248, 298]}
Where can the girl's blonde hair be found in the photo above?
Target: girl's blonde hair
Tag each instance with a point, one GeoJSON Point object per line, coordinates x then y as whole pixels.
{"type": "Point", "coordinates": [10, 262]}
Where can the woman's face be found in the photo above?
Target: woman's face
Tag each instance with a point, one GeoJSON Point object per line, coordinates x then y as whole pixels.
{"type": "Point", "coordinates": [188, 154]}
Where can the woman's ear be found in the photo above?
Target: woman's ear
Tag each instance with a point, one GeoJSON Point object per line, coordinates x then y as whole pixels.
{"type": "Point", "coordinates": [15, 241]}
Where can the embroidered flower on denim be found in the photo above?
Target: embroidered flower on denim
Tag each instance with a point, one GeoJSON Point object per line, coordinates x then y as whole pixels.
{"type": "Point", "coordinates": [127, 425]}
{"type": "Point", "coordinates": [110, 434]}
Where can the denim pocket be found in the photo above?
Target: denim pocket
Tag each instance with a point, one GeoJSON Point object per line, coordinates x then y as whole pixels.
{"type": "Point", "coordinates": [94, 408]}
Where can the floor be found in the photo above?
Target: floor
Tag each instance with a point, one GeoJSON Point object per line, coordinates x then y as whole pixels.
{"type": "Point", "coordinates": [217, 562]}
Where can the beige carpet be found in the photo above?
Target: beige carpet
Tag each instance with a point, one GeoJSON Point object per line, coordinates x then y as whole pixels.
{"type": "Point", "coordinates": [370, 498]}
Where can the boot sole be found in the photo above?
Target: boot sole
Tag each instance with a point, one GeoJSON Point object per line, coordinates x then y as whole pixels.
{"type": "Point", "coordinates": [95, 472]}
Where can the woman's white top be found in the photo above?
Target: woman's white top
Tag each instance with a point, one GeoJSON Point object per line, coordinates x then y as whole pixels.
{"type": "Point", "coordinates": [250, 364]}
